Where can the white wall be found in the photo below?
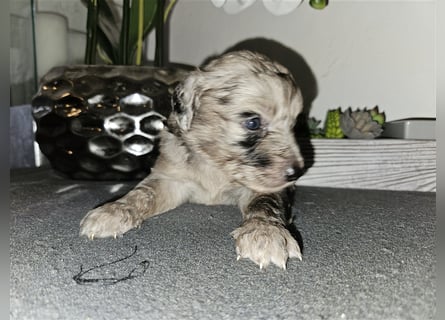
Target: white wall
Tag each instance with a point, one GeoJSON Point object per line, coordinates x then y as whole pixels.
{"type": "Point", "coordinates": [362, 53]}
{"type": "Point", "coordinates": [358, 53]}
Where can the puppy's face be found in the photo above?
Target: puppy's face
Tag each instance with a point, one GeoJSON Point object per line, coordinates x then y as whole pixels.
{"type": "Point", "coordinates": [239, 112]}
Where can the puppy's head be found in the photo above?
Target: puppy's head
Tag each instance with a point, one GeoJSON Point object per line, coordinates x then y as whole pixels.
{"type": "Point", "coordinates": [239, 112]}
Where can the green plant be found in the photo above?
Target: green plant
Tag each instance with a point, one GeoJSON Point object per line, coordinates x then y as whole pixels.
{"type": "Point", "coordinates": [332, 124]}
{"type": "Point", "coordinates": [378, 116]}
{"type": "Point", "coordinates": [120, 40]}
{"type": "Point", "coordinates": [314, 130]}
{"type": "Point", "coordinates": [318, 4]}
{"type": "Point", "coordinates": [362, 123]}
{"type": "Point", "coordinates": [358, 124]}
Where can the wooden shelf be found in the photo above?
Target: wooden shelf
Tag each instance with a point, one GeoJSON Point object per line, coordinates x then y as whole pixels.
{"type": "Point", "coordinates": [385, 164]}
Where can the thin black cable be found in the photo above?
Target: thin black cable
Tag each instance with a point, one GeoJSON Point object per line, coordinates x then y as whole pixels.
{"type": "Point", "coordinates": [79, 279]}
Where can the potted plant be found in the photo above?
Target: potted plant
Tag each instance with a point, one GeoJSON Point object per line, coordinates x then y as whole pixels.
{"type": "Point", "coordinates": [101, 120]}
{"type": "Point", "coordinates": [119, 41]}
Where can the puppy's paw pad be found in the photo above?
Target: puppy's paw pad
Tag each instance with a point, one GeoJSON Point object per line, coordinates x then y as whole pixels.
{"type": "Point", "coordinates": [265, 242]}
{"type": "Point", "coordinates": [109, 220]}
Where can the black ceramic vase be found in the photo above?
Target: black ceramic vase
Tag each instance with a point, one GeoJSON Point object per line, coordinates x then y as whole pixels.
{"type": "Point", "coordinates": [102, 122]}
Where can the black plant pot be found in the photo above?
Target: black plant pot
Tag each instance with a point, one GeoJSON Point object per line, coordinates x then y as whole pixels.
{"type": "Point", "coordinates": [98, 122]}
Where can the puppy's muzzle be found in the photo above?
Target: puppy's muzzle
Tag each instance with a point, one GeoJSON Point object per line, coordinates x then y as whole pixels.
{"type": "Point", "coordinates": [294, 172]}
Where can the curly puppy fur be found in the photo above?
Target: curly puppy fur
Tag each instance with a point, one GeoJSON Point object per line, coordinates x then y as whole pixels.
{"type": "Point", "coordinates": [229, 140]}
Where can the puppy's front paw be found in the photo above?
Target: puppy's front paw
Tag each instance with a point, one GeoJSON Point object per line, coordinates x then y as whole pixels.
{"type": "Point", "coordinates": [264, 241]}
{"type": "Point", "coordinates": [110, 220]}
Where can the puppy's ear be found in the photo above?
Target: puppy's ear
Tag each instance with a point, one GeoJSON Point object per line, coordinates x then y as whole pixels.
{"type": "Point", "coordinates": [186, 100]}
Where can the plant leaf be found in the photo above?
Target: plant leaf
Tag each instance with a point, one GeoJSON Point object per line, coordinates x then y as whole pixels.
{"type": "Point", "coordinates": [108, 20]}
{"type": "Point", "coordinates": [149, 18]}
{"type": "Point", "coordinates": [91, 32]}
{"type": "Point", "coordinates": [106, 34]}
{"type": "Point", "coordinates": [123, 43]}
{"type": "Point", "coordinates": [107, 52]}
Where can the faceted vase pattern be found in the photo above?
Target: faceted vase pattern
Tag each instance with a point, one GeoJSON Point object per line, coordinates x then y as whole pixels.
{"type": "Point", "coordinates": [103, 122]}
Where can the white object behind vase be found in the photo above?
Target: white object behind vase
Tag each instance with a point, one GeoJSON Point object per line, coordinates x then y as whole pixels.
{"type": "Point", "coordinates": [51, 41]}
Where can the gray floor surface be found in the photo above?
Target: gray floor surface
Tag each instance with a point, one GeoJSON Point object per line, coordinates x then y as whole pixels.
{"type": "Point", "coordinates": [367, 255]}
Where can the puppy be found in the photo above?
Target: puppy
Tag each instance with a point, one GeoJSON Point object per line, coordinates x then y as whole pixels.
{"type": "Point", "coordinates": [229, 140]}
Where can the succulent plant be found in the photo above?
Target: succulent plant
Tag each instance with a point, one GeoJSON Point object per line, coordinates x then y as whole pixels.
{"type": "Point", "coordinates": [362, 124]}
{"type": "Point", "coordinates": [378, 116]}
{"type": "Point", "coordinates": [332, 124]}
{"type": "Point", "coordinates": [314, 130]}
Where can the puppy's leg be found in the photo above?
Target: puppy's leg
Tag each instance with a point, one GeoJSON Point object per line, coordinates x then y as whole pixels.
{"type": "Point", "coordinates": [263, 236]}
{"type": "Point", "coordinates": [150, 197]}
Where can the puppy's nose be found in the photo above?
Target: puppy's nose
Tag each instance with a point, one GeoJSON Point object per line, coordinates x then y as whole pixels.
{"type": "Point", "coordinates": [293, 173]}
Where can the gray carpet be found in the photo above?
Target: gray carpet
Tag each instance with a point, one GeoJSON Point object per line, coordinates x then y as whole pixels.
{"type": "Point", "coordinates": [367, 255]}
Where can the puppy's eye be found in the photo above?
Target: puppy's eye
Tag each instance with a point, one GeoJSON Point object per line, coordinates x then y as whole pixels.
{"type": "Point", "coordinates": [253, 123]}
